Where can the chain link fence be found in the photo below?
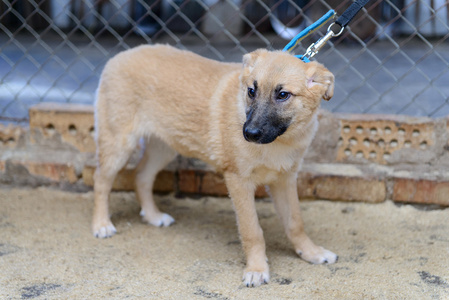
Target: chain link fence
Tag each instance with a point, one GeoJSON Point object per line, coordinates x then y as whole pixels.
{"type": "Point", "coordinates": [394, 57]}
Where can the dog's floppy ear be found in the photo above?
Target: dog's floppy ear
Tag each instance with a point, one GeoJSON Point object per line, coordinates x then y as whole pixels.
{"type": "Point", "coordinates": [319, 80]}
{"type": "Point", "coordinates": [249, 59]}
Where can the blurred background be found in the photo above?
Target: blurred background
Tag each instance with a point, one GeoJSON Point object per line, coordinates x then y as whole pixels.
{"type": "Point", "coordinates": [392, 59]}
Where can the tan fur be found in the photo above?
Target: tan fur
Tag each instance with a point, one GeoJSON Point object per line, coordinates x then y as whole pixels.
{"type": "Point", "coordinates": [177, 100]}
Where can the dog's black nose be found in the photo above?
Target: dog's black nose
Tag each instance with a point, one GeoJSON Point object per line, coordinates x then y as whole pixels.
{"type": "Point", "coordinates": [252, 134]}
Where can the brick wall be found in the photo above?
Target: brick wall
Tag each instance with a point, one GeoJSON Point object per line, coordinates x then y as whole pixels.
{"type": "Point", "coordinates": [369, 158]}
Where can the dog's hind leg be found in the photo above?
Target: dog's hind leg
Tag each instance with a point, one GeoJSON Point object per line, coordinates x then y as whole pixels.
{"type": "Point", "coordinates": [285, 197]}
{"type": "Point", "coordinates": [112, 157]}
{"type": "Point", "coordinates": [156, 156]}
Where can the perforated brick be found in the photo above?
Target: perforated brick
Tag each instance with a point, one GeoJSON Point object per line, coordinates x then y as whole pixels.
{"type": "Point", "coordinates": [10, 135]}
{"type": "Point", "coordinates": [74, 122]}
{"type": "Point", "coordinates": [375, 139]}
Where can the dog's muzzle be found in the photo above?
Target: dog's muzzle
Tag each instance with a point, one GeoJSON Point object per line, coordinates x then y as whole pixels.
{"type": "Point", "coordinates": [262, 135]}
{"type": "Point", "coordinates": [252, 134]}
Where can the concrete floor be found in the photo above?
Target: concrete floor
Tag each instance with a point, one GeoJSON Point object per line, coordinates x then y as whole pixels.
{"type": "Point", "coordinates": [47, 251]}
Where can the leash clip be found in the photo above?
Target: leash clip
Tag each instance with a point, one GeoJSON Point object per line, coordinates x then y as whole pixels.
{"type": "Point", "coordinates": [316, 47]}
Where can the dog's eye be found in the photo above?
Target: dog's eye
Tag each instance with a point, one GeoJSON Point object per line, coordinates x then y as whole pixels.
{"type": "Point", "coordinates": [282, 96]}
{"type": "Point", "coordinates": [251, 93]}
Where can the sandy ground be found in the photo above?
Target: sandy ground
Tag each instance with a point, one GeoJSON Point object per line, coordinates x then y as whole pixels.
{"type": "Point", "coordinates": [47, 251]}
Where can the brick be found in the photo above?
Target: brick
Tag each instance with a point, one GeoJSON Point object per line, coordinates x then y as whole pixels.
{"type": "Point", "coordinates": [341, 187]}
{"type": "Point", "coordinates": [10, 135]}
{"type": "Point", "coordinates": [165, 182]}
{"type": "Point", "coordinates": [447, 132]}
{"type": "Point", "coordinates": [201, 182]}
{"type": "Point", "coordinates": [261, 192]}
{"type": "Point", "coordinates": [53, 171]}
{"type": "Point", "coordinates": [333, 187]}
{"type": "Point", "coordinates": [125, 180]}
{"type": "Point", "coordinates": [376, 137]}
{"type": "Point", "coordinates": [207, 183]}
{"type": "Point", "coordinates": [57, 172]}
{"type": "Point", "coordinates": [74, 122]}
{"type": "Point", "coordinates": [421, 191]}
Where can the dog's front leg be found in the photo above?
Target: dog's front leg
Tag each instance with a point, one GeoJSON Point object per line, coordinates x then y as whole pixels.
{"type": "Point", "coordinates": [242, 193]}
{"type": "Point", "coordinates": [285, 197]}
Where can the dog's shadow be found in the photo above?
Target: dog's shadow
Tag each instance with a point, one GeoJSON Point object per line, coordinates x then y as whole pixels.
{"type": "Point", "coordinates": [193, 217]}
{"type": "Point", "coordinates": [202, 218]}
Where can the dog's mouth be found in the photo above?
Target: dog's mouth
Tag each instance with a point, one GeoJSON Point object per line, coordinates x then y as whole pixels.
{"type": "Point", "coordinates": [263, 134]}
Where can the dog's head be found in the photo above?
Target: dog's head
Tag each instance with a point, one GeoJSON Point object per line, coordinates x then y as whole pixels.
{"type": "Point", "coordinates": [280, 92]}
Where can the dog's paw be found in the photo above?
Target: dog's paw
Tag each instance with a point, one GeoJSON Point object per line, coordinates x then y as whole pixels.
{"type": "Point", "coordinates": [253, 279]}
{"type": "Point", "coordinates": [319, 255]}
{"type": "Point", "coordinates": [104, 231]}
{"type": "Point", "coordinates": [158, 220]}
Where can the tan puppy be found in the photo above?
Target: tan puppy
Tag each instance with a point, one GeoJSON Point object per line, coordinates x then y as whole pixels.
{"type": "Point", "coordinates": [253, 122]}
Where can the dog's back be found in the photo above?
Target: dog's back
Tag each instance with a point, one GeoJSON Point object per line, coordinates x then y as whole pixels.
{"type": "Point", "coordinates": [184, 83]}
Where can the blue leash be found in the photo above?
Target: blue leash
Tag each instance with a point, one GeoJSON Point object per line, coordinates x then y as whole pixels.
{"type": "Point", "coordinates": [309, 30]}
{"type": "Point", "coordinates": [341, 22]}
{"type": "Point", "coordinates": [315, 47]}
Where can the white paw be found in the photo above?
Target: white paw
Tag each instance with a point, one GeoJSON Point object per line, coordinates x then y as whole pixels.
{"type": "Point", "coordinates": [253, 279]}
{"type": "Point", "coordinates": [105, 231]}
{"type": "Point", "coordinates": [158, 220]}
{"type": "Point", "coordinates": [319, 256]}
